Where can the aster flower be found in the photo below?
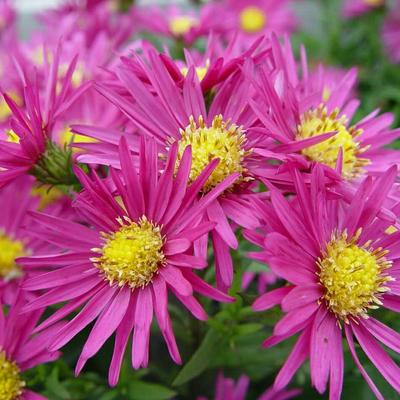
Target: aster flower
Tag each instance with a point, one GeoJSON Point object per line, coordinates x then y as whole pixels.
{"type": "Point", "coordinates": [213, 66]}
{"type": "Point", "coordinates": [303, 125]}
{"type": "Point", "coordinates": [17, 200]}
{"type": "Point", "coordinates": [30, 148]}
{"type": "Point", "coordinates": [227, 389]}
{"type": "Point", "coordinates": [175, 22]}
{"type": "Point", "coordinates": [252, 18]}
{"type": "Point", "coordinates": [355, 8]}
{"type": "Point", "coordinates": [173, 113]}
{"type": "Point", "coordinates": [20, 350]}
{"type": "Point", "coordinates": [391, 33]}
{"type": "Point", "coordinates": [138, 249]}
{"type": "Point", "coordinates": [340, 261]}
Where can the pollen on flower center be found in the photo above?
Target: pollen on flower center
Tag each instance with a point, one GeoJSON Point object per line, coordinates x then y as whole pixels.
{"type": "Point", "coordinates": [220, 140]}
{"type": "Point", "coordinates": [353, 276]}
{"type": "Point", "coordinates": [133, 254]}
{"type": "Point", "coordinates": [67, 137]}
{"type": "Point", "coordinates": [180, 25]}
{"type": "Point", "coordinates": [317, 122]}
{"type": "Point", "coordinates": [252, 19]}
{"type": "Point", "coordinates": [11, 384]}
{"type": "Point", "coordinates": [10, 250]}
{"type": "Point", "coordinates": [12, 136]}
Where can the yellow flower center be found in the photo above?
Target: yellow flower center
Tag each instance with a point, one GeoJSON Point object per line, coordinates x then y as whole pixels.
{"type": "Point", "coordinates": [5, 111]}
{"type": "Point", "coordinates": [374, 3]}
{"type": "Point", "coordinates": [220, 140]}
{"type": "Point", "coordinates": [252, 19]}
{"type": "Point", "coordinates": [353, 276]}
{"type": "Point", "coordinates": [10, 250]}
{"type": "Point", "coordinates": [317, 122]}
{"type": "Point", "coordinates": [67, 137]}
{"type": "Point", "coordinates": [11, 384]}
{"type": "Point", "coordinates": [182, 24]}
{"type": "Point", "coordinates": [47, 194]}
{"type": "Point", "coordinates": [133, 254]}
{"type": "Point", "coordinates": [12, 136]}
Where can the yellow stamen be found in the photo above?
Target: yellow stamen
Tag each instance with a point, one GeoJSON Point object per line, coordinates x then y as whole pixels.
{"type": "Point", "coordinates": [326, 93]}
{"type": "Point", "coordinates": [180, 25]}
{"type": "Point", "coordinates": [200, 71]}
{"type": "Point", "coordinates": [10, 249]}
{"type": "Point", "coordinates": [252, 19]}
{"type": "Point", "coordinates": [391, 229]}
{"type": "Point", "coordinates": [47, 194]}
{"type": "Point", "coordinates": [12, 136]}
{"type": "Point", "coordinates": [11, 384]}
{"type": "Point", "coordinates": [353, 276]}
{"type": "Point", "coordinates": [67, 137]}
{"type": "Point", "coordinates": [5, 111]}
{"type": "Point", "coordinates": [220, 140]}
{"type": "Point", "coordinates": [317, 122]}
{"type": "Point", "coordinates": [133, 254]}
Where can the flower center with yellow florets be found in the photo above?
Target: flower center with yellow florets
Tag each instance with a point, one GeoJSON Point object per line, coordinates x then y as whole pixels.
{"type": "Point", "coordinates": [220, 140]}
{"type": "Point", "coordinates": [10, 250]}
{"type": "Point", "coordinates": [11, 384]}
{"type": "Point", "coordinates": [180, 25]}
{"type": "Point", "coordinates": [132, 255]}
{"type": "Point", "coordinates": [252, 19]}
{"type": "Point", "coordinates": [317, 122]}
{"type": "Point", "coordinates": [352, 276]}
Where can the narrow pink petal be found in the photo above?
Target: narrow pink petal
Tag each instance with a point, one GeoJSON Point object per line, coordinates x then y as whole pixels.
{"type": "Point", "coordinates": [385, 365]}
{"type": "Point", "coordinates": [223, 262]}
{"type": "Point", "coordinates": [141, 335]}
{"type": "Point", "coordinates": [301, 296]}
{"type": "Point", "coordinates": [176, 246]}
{"type": "Point", "coordinates": [296, 358]}
{"type": "Point", "coordinates": [294, 318]}
{"type": "Point", "coordinates": [91, 310]}
{"type": "Point", "coordinates": [271, 299]}
{"type": "Point", "coordinates": [192, 305]}
{"type": "Point", "coordinates": [371, 384]}
{"type": "Point", "coordinates": [174, 277]}
{"type": "Point", "coordinates": [121, 339]}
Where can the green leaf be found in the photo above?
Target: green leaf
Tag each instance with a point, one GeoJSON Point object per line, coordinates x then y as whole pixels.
{"type": "Point", "coordinates": [150, 391]}
{"type": "Point", "coordinates": [54, 386]}
{"type": "Point", "coordinates": [201, 358]}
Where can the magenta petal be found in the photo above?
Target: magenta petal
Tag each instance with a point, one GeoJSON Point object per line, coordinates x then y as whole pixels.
{"type": "Point", "coordinates": [143, 318]}
{"type": "Point", "coordinates": [383, 333]}
{"type": "Point", "coordinates": [174, 277]}
{"type": "Point", "coordinates": [371, 384]}
{"type": "Point", "coordinates": [301, 296]}
{"type": "Point", "coordinates": [271, 299]}
{"type": "Point", "coordinates": [385, 365]}
{"type": "Point", "coordinates": [294, 318]}
{"type": "Point", "coordinates": [296, 358]}
{"type": "Point", "coordinates": [176, 246]}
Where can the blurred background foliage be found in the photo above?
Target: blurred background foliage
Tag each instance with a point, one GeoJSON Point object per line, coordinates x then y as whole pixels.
{"type": "Point", "coordinates": [232, 337]}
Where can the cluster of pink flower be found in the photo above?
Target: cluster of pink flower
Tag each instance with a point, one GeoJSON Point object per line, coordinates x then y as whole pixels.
{"type": "Point", "coordinates": [121, 167]}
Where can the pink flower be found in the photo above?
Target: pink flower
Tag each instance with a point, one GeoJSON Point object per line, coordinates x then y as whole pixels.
{"type": "Point", "coordinates": [251, 18]}
{"type": "Point", "coordinates": [17, 200]}
{"type": "Point", "coordinates": [20, 350]}
{"type": "Point", "coordinates": [341, 262]}
{"type": "Point", "coordinates": [307, 124]}
{"type": "Point", "coordinates": [30, 139]}
{"type": "Point", "coordinates": [160, 108]}
{"type": "Point", "coordinates": [137, 249]}
{"type": "Point", "coordinates": [227, 389]}
{"type": "Point", "coordinates": [355, 8]}
{"type": "Point", "coordinates": [391, 33]}
{"type": "Point", "coordinates": [175, 22]}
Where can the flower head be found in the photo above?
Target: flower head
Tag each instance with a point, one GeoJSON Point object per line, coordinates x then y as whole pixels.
{"type": "Point", "coordinates": [20, 350]}
{"type": "Point", "coordinates": [309, 122]}
{"type": "Point", "coordinates": [135, 247]}
{"type": "Point", "coordinates": [339, 258]}
{"type": "Point", "coordinates": [176, 113]}
{"type": "Point", "coordinates": [29, 148]}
